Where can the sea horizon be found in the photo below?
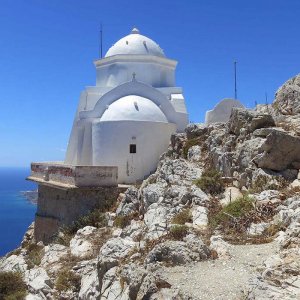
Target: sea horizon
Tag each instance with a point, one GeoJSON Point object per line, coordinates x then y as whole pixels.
{"type": "Point", "coordinates": [16, 212]}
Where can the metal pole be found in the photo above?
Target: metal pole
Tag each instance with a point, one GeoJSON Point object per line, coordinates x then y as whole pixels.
{"type": "Point", "coordinates": [101, 35]}
{"type": "Point", "coordinates": [235, 86]}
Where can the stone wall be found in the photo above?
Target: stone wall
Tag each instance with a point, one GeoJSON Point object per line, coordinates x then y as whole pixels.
{"type": "Point", "coordinates": [61, 206]}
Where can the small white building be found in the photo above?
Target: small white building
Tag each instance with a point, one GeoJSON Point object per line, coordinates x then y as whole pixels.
{"type": "Point", "coordinates": [222, 111]}
{"type": "Point", "coordinates": [126, 120]}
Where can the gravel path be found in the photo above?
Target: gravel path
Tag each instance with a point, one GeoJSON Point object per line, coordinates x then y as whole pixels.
{"type": "Point", "coordinates": [220, 279]}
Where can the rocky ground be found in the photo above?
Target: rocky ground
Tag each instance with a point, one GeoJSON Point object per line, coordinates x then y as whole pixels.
{"type": "Point", "coordinates": [180, 234]}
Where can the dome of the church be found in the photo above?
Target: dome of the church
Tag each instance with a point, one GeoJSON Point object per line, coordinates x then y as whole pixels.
{"type": "Point", "coordinates": [133, 108]}
{"type": "Point", "coordinates": [137, 44]}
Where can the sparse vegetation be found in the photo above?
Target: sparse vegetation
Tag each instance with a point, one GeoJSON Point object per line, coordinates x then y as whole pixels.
{"type": "Point", "coordinates": [12, 286]}
{"type": "Point", "coordinates": [95, 218]}
{"type": "Point", "coordinates": [123, 221]}
{"type": "Point", "coordinates": [210, 182]}
{"type": "Point", "coordinates": [182, 217]}
{"type": "Point", "coordinates": [229, 215]}
{"type": "Point", "coordinates": [34, 255]}
{"type": "Point", "coordinates": [178, 232]}
{"type": "Point", "coordinates": [235, 218]}
{"type": "Point", "coordinates": [189, 143]}
{"type": "Point", "coordinates": [67, 280]}
{"type": "Point", "coordinates": [264, 183]}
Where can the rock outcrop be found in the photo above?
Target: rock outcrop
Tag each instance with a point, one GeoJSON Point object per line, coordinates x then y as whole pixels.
{"type": "Point", "coordinates": [167, 220]}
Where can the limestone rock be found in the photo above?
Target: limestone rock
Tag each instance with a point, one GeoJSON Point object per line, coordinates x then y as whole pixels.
{"type": "Point", "coordinates": [53, 254]}
{"type": "Point", "coordinates": [195, 130]}
{"type": "Point", "coordinates": [129, 203]}
{"type": "Point", "coordinates": [230, 194]}
{"type": "Point", "coordinates": [156, 219]}
{"type": "Point", "coordinates": [220, 246]}
{"type": "Point", "coordinates": [90, 288]}
{"type": "Point", "coordinates": [247, 120]}
{"type": "Point", "coordinates": [194, 153]}
{"type": "Point", "coordinates": [14, 263]}
{"type": "Point", "coordinates": [280, 151]}
{"type": "Point", "coordinates": [80, 245]}
{"type": "Point", "coordinates": [200, 217]}
{"type": "Point", "coordinates": [287, 98]}
{"type": "Point", "coordinates": [257, 229]}
{"type": "Point", "coordinates": [179, 252]}
{"type": "Point", "coordinates": [117, 248]}
{"type": "Point", "coordinates": [38, 280]}
{"type": "Point", "coordinates": [177, 171]}
{"type": "Point", "coordinates": [153, 193]}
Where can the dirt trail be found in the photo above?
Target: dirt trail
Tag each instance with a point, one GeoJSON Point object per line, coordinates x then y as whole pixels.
{"type": "Point", "coordinates": [220, 279]}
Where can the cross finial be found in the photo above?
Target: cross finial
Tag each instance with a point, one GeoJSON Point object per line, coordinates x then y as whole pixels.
{"type": "Point", "coordinates": [133, 76]}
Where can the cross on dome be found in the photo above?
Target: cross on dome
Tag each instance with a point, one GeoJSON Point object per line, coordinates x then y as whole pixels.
{"type": "Point", "coordinates": [135, 31]}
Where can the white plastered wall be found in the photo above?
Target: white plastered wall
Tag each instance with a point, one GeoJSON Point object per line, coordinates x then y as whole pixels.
{"type": "Point", "coordinates": [151, 140]}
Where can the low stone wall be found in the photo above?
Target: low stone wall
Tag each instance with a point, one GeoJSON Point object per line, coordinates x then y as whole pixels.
{"type": "Point", "coordinates": [62, 206]}
{"type": "Point", "coordinates": [80, 176]}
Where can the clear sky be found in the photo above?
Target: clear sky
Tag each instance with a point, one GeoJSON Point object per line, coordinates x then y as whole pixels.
{"type": "Point", "coordinates": [47, 50]}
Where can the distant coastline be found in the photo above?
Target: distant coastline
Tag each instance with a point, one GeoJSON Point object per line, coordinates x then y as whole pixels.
{"type": "Point", "coordinates": [31, 196]}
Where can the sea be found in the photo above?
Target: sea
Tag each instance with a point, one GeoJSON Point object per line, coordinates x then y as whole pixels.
{"type": "Point", "coordinates": [16, 210]}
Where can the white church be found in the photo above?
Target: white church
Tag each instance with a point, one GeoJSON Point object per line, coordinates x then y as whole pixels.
{"type": "Point", "coordinates": [126, 120]}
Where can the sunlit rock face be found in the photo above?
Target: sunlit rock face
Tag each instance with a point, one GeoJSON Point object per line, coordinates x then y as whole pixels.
{"type": "Point", "coordinates": [126, 120]}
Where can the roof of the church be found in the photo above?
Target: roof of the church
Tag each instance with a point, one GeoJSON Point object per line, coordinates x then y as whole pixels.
{"type": "Point", "coordinates": [135, 44]}
{"type": "Point", "coordinates": [133, 108]}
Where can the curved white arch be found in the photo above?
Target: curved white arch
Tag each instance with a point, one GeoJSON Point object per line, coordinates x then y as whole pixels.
{"type": "Point", "coordinates": [131, 88]}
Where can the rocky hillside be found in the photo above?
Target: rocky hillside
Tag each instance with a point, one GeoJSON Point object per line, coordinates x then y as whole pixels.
{"type": "Point", "coordinates": [224, 202]}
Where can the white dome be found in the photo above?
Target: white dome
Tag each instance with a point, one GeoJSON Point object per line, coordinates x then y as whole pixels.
{"type": "Point", "coordinates": [135, 43]}
{"type": "Point", "coordinates": [133, 108]}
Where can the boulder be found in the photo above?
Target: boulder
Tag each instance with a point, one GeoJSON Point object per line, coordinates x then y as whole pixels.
{"type": "Point", "coordinates": [257, 229]}
{"type": "Point", "coordinates": [53, 254]}
{"type": "Point", "coordinates": [248, 120]}
{"type": "Point", "coordinates": [287, 98]}
{"type": "Point", "coordinates": [194, 153]}
{"type": "Point", "coordinates": [200, 217]}
{"type": "Point", "coordinates": [38, 280]}
{"type": "Point", "coordinates": [90, 288]}
{"type": "Point", "coordinates": [279, 151]}
{"type": "Point", "coordinates": [117, 248]}
{"type": "Point", "coordinates": [220, 246]}
{"type": "Point", "coordinates": [230, 194]}
{"type": "Point", "coordinates": [15, 263]}
{"type": "Point", "coordinates": [129, 202]}
{"type": "Point", "coordinates": [195, 130]}
{"type": "Point", "coordinates": [80, 245]}
{"type": "Point", "coordinates": [179, 252]}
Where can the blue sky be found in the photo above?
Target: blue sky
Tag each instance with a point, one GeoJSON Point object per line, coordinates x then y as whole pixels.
{"type": "Point", "coordinates": [47, 49]}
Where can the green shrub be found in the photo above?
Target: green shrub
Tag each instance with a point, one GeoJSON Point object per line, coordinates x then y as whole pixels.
{"type": "Point", "coordinates": [182, 217]}
{"type": "Point", "coordinates": [178, 232]}
{"type": "Point", "coordinates": [67, 280]}
{"type": "Point", "coordinates": [189, 143]}
{"type": "Point", "coordinates": [34, 255]}
{"type": "Point", "coordinates": [12, 286]}
{"type": "Point", "coordinates": [210, 182]}
{"type": "Point", "coordinates": [95, 218]}
{"type": "Point", "coordinates": [230, 215]}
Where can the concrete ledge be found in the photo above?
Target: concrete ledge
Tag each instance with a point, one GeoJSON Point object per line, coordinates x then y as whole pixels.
{"type": "Point", "coordinates": [63, 175]}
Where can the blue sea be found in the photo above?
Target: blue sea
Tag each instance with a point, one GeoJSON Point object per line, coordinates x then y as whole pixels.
{"type": "Point", "coordinates": [16, 212]}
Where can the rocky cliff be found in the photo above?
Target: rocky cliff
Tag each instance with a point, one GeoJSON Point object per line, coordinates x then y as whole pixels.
{"type": "Point", "coordinates": [224, 202]}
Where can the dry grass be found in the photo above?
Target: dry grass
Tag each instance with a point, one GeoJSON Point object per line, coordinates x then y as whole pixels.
{"type": "Point", "coordinates": [67, 280]}
{"type": "Point", "coordinates": [178, 232]}
{"type": "Point", "coordinates": [12, 286]}
{"type": "Point", "coordinates": [182, 217]}
{"type": "Point", "coordinates": [34, 255]}
{"type": "Point", "coordinates": [210, 182]}
{"type": "Point", "coordinates": [123, 221]}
